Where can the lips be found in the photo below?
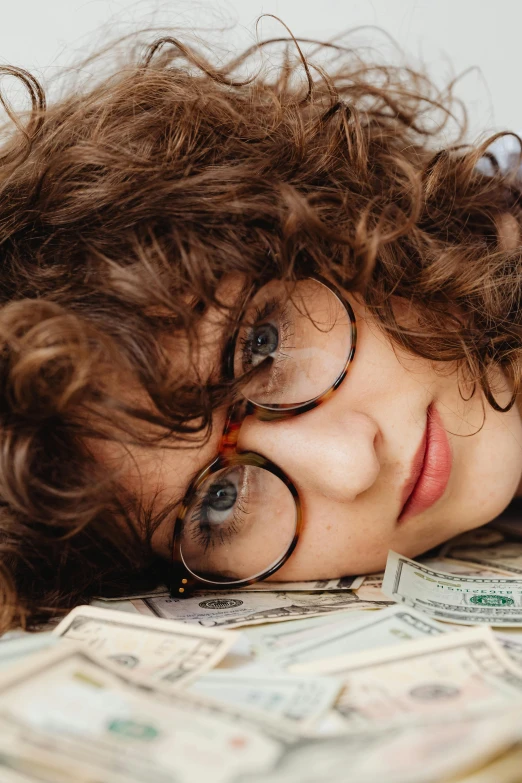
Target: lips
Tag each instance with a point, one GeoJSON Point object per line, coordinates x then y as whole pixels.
{"type": "Point", "coordinates": [431, 469]}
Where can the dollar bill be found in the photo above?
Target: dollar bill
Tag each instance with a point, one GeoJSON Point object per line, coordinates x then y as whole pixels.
{"type": "Point", "coordinates": [371, 589]}
{"type": "Point", "coordinates": [62, 711]}
{"type": "Point", "coordinates": [489, 547]}
{"type": "Point", "coordinates": [150, 648]}
{"type": "Point", "coordinates": [230, 609]}
{"type": "Point", "coordinates": [275, 637]}
{"type": "Point", "coordinates": [505, 769]}
{"type": "Point", "coordinates": [119, 606]}
{"type": "Point", "coordinates": [130, 594]}
{"type": "Point", "coordinates": [456, 672]}
{"type": "Point", "coordinates": [429, 751]}
{"type": "Point", "coordinates": [449, 566]}
{"type": "Point", "coordinates": [8, 775]}
{"type": "Point", "coordinates": [317, 585]}
{"type": "Point", "coordinates": [468, 600]}
{"type": "Point", "coordinates": [14, 649]}
{"type": "Point", "coordinates": [512, 646]}
{"type": "Point", "coordinates": [386, 628]}
{"type": "Point", "coordinates": [300, 700]}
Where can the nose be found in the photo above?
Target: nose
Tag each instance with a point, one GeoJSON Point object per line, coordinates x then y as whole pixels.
{"type": "Point", "coordinates": [330, 452]}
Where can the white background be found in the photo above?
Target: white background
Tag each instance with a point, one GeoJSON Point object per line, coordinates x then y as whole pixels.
{"type": "Point", "coordinates": [449, 35]}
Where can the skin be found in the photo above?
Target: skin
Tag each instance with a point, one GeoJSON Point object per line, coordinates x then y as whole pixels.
{"type": "Point", "coordinates": [364, 438]}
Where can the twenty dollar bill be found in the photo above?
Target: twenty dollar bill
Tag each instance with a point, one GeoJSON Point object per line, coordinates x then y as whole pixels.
{"type": "Point", "coordinates": [469, 600]}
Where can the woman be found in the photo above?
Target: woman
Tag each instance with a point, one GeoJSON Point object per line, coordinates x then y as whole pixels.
{"type": "Point", "coordinates": [177, 240]}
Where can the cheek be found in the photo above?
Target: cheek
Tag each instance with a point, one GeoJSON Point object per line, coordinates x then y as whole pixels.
{"type": "Point", "coordinates": [330, 546]}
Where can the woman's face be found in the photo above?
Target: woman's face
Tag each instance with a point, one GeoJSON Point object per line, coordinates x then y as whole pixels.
{"type": "Point", "coordinates": [394, 459]}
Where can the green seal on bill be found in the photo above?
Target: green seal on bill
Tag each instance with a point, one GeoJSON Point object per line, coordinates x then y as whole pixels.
{"type": "Point", "coordinates": [133, 730]}
{"type": "Point", "coordinates": [491, 600]}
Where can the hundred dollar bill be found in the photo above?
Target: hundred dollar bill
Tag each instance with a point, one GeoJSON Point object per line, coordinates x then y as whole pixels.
{"type": "Point", "coordinates": [386, 628]}
{"type": "Point", "coordinates": [317, 585]}
{"type": "Point", "coordinates": [468, 600]}
{"type": "Point", "coordinates": [300, 700]}
{"type": "Point", "coordinates": [61, 709]}
{"type": "Point", "coordinates": [488, 547]}
{"type": "Point", "coordinates": [229, 609]}
{"type": "Point", "coordinates": [148, 647]}
{"type": "Point", "coordinates": [457, 673]}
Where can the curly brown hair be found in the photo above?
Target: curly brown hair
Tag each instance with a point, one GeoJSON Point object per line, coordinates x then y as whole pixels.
{"type": "Point", "coordinates": [123, 205]}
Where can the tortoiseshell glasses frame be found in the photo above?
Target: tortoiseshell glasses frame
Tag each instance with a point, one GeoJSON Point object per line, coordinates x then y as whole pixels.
{"type": "Point", "coordinates": [183, 581]}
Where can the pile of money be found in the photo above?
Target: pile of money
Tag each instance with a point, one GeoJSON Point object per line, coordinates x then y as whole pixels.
{"type": "Point", "coordinates": [409, 676]}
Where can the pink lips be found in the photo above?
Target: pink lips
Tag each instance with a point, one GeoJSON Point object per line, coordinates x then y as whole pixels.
{"type": "Point", "coordinates": [430, 471]}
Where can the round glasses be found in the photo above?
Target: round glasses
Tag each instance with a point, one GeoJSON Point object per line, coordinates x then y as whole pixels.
{"type": "Point", "coordinates": [240, 519]}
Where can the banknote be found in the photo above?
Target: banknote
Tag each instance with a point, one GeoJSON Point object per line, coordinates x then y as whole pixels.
{"type": "Point", "coordinates": [503, 769]}
{"type": "Point", "coordinates": [456, 672]}
{"type": "Point", "coordinates": [468, 600]}
{"type": "Point", "coordinates": [490, 547]}
{"type": "Point", "coordinates": [275, 637]}
{"type": "Point", "coordinates": [28, 769]}
{"type": "Point", "coordinates": [386, 628]}
{"type": "Point", "coordinates": [9, 775]}
{"type": "Point", "coordinates": [449, 566]}
{"type": "Point", "coordinates": [18, 647]}
{"type": "Point", "coordinates": [148, 647]}
{"type": "Point", "coordinates": [301, 700]}
{"type": "Point", "coordinates": [120, 606]}
{"type": "Point", "coordinates": [229, 609]}
{"type": "Point", "coordinates": [63, 708]}
{"type": "Point", "coordinates": [429, 751]}
{"type": "Point", "coordinates": [317, 585]}
{"type": "Point", "coordinates": [16, 633]}
{"type": "Point", "coordinates": [371, 589]}
{"type": "Point", "coordinates": [131, 594]}
{"type": "Point", "coordinates": [512, 646]}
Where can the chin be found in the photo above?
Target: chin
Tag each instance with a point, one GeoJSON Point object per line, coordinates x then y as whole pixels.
{"type": "Point", "coordinates": [488, 512]}
{"type": "Point", "coordinates": [463, 518]}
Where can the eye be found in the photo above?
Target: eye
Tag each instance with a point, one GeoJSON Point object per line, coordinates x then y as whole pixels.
{"type": "Point", "coordinates": [264, 341]}
{"type": "Point", "coordinates": [219, 512]}
{"type": "Point", "coordinates": [221, 496]}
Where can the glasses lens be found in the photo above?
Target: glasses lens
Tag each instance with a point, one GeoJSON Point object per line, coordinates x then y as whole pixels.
{"type": "Point", "coordinates": [297, 339]}
{"type": "Point", "coordinates": [240, 524]}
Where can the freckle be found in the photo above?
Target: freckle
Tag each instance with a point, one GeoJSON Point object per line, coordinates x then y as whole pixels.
{"type": "Point", "coordinates": [328, 527]}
